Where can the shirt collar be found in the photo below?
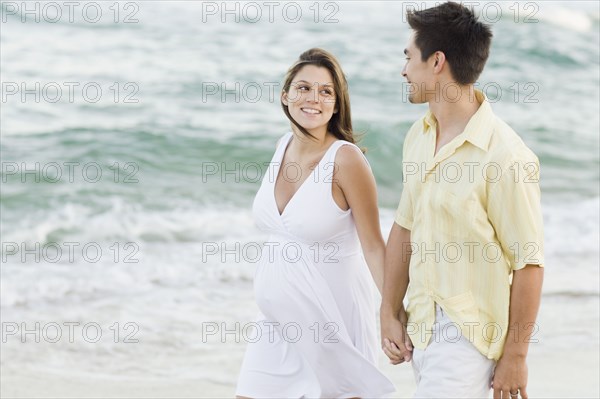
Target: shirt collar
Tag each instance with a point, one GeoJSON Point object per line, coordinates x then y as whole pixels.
{"type": "Point", "coordinates": [479, 128]}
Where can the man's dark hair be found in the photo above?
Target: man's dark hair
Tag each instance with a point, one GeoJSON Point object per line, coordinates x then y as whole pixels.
{"type": "Point", "coordinates": [454, 30]}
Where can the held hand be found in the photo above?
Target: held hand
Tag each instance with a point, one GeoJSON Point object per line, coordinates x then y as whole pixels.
{"type": "Point", "coordinates": [395, 342]}
{"type": "Point", "coordinates": [510, 377]}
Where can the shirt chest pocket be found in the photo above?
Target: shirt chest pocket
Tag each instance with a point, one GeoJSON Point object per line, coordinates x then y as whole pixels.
{"type": "Point", "coordinates": [452, 214]}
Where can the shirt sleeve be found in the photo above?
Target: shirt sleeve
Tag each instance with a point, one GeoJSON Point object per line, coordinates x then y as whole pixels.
{"type": "Point", "coordinates": [514, 210]}
{"type": "Point", "coordinates": [404, 212]}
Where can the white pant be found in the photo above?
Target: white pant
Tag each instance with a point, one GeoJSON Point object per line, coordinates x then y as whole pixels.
{"type": "Point", "coordinates": [450, 366]}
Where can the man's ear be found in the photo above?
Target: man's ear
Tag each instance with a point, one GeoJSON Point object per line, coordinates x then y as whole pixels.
{"type": "Point", "coordinates": [284, 98]}
{"type": "Point", "coordinates": [439, 59]}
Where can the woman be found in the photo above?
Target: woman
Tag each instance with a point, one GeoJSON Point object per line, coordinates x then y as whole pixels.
{"type": "Point", "coordinates": [318, 201]}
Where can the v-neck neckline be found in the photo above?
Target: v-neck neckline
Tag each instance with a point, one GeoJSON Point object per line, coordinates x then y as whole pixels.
{"type": "Point", "coordinates": [278, 167]}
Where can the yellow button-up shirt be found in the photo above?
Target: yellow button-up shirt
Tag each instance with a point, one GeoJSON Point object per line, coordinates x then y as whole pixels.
{"type": "Point", "coordinates": [474, 214]}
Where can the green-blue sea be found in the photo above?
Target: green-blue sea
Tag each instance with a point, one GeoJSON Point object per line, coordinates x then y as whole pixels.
{"type": "Point", "coordinates": [132, 148]}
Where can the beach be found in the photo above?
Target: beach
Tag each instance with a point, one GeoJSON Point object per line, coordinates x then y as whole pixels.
{"type": "Point", "coordinates": [560, 372]}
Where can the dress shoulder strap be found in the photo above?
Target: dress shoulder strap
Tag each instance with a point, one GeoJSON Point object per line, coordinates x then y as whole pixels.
{"type": "Point", "coordinates": [337, 145]}
{"type": "Point", "coordinates": [281, 146]}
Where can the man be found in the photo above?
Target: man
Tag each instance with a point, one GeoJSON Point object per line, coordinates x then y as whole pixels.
{"type": "Point", "coordinates": [468, 223]}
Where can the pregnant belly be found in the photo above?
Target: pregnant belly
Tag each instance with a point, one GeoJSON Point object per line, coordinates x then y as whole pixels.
{"type": "Point", "coordinates": [281, 287]}
{"type": "Point", "coordinates": [285, 286]}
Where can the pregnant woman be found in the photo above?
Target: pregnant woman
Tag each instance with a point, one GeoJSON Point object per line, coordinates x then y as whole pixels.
{"type": "Point", "coordinates": [318, 201]}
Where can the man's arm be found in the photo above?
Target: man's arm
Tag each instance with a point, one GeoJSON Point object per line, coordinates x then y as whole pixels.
{"type": "Point", "coordinates": [525, 294]}
{"type": "Point", "coordinates": [394, 340]}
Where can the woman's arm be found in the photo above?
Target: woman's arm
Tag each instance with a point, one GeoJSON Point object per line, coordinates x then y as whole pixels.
{"type": "Point", "coordinates": [357, 183]}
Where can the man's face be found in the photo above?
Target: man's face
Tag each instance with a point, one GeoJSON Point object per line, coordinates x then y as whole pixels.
{"type": "Point", "coordinates": [419, 74]}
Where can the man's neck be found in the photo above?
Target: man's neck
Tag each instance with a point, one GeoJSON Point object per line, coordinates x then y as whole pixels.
{"type": "Point", "coordinates": [452, 116]}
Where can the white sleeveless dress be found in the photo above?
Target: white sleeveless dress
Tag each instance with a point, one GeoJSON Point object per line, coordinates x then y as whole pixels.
{"type": "Point", "coordinates": [316, 335]}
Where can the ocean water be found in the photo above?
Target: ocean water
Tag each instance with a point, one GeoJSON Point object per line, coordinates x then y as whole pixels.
{"type": "Point", "coordinates": [131, 152]}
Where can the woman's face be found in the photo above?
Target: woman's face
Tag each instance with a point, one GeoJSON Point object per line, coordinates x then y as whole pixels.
{"type": "Point", "coordinates": [311, 98]}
